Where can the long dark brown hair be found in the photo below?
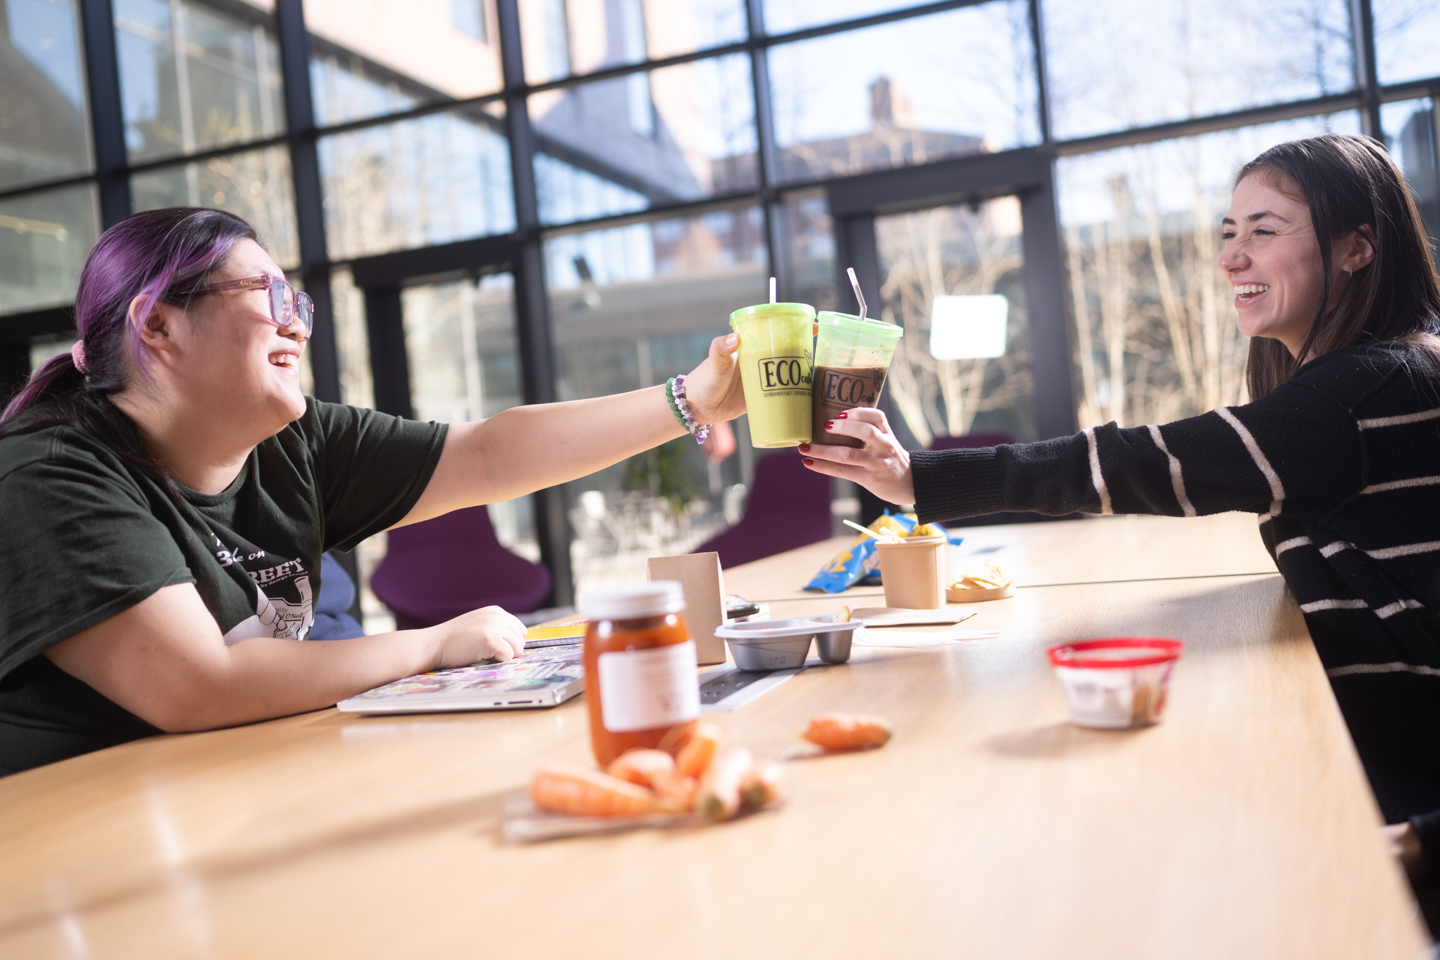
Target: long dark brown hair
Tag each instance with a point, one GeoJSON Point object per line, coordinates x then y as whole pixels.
{"type": "Point", "coordinates": [1350, 182]}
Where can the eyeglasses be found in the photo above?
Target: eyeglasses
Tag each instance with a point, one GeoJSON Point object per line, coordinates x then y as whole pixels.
{"type": "Point", "coordinates": [285, 303]}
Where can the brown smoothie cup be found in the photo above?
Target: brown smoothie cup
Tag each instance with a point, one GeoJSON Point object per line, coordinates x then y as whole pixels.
{"type": "Point", "coordinates": [852, 357]}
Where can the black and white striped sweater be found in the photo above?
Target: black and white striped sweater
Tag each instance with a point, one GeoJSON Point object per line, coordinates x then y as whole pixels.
{"type": "Point", "coordinates": [1342, 463]}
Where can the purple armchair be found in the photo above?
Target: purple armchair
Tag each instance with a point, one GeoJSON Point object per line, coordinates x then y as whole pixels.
{"type": "Point", "coordinates": [441, 568]}
{"type": "Point", "coordinates": [789, 507]}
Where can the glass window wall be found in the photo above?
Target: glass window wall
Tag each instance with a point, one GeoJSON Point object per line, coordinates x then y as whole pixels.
{"type": "Point", "coordinates": [679, 134]}
{"type": "Point", "coordinates": [1409, 127]}
{"type": "Point", "coordinates": [809, 235]}
{"type": "Point", "coordinates": [194, 76]}
{"type": "Point", "coordinates": [1131, 63]}
{"type": "Point", "coordinates": [1407, 39]}
{"type": "Point", "coordinates": [915, 91]}
{"type": "Point", "coordinates": [431, 180]}
{"type": "Point", "coordinates": [44, 238]}
{"type": "Point", "coordinates": [352, 341]}
{"type": "Point", "coordinates": [44, 130]}
{"type": "Point", "coordinates": [564, 37]}
{"type": "Point", "coordinates": [782, 16]}
{"type": "Point", "coordinates": [633, 306]}
{"type": "Point", "coordinates": [1155, 334]}
{"type": "Point", "coordinates": [382, 56]}
{"type": "Point", "coordinates": [255, 185]}
{"type": "Point", "coordinates": [465, 365]}
{"type": "Point", "coordinates": [952, 277]}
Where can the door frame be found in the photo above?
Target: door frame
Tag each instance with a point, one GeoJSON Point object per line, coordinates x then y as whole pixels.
{"type": "Point", "coordinates": [1026, 174]}
{"type": "Point", "coordinates": [382, 277]}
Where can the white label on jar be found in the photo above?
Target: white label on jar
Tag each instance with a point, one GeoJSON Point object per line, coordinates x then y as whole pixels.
{"type": "Point", "coordinates": [645, 689]}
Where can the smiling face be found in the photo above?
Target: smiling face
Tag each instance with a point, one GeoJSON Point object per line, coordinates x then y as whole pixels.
{"type": "Point", "coordinates": [1272, 260]}
{"type": "Point", "coordinates": [236, 364]}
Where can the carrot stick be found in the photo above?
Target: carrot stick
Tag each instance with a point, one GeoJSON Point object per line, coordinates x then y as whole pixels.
{"type": "Point", "coordinates": [719, 797]}
{"type": "Point", "coordinates": [642, 766]}
{"type": "Point", "coordinates": [696, 752]}
{"type": "Point", "coordinates": [589, 793]}
{"type": "Point", "coordinates": [847, 731]}
{"type": "Point", "coordinates": [764, 784]}
{"type": "Point", "coordinates": [678, 790]}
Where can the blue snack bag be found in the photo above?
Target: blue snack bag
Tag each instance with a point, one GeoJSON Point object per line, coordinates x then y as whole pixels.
{"type": "Point", "coordinates": [859, 560]}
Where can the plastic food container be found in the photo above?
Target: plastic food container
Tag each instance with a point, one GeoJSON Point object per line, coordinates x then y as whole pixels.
{"type": "Point", "coordinates": [784, 644]}
{"type": "Point", "coordinates": [1116, 683]}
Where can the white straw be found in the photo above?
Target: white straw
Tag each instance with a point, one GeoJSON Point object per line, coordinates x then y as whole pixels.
{"type": "Point", "coordinates": [772, 289]}
{"type": "Point", "coordinates": [865, 530]}
{"type": "Point", "coordinates": [854, 282]}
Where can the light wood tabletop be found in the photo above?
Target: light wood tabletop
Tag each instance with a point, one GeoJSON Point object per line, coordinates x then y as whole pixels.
{"type": "Point", "coordinates": [1240, 826]}
{"type": "Point", "coordinates": [1050, 554]}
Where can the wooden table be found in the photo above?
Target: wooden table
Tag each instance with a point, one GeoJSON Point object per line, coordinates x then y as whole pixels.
{"type": "Point", "coordinates": [1241, 826]}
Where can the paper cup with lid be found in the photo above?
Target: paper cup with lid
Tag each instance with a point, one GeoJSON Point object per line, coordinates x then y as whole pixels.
{"type": "Point", "coordinates": [776, 354]}
{"type": "Point", "coordinates": [1118, 682]}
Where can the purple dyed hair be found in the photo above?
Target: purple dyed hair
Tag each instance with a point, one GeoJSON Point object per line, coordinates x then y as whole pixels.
{"type": "Point", "coordinates": [155, 256]}
{"type": "Point", "coordinates": [160, 256]}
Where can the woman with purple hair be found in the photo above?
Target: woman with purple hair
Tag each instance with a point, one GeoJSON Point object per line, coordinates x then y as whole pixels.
{"type": "Point", "coordinates": [166, 493]}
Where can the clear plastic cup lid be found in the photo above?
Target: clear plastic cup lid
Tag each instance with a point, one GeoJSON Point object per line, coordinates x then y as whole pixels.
{"type": "Point", "coordinates": [801, 311]}
{"type": "Point", "coordinates": [851, 325]}
{"type": "Point", "coordinates": [633, 601]}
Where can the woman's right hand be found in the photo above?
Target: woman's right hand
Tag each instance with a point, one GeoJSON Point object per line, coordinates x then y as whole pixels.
{"type": "Point", "coordinates": [485, 634]}
{"type": "Point", "coordinates": [882, 466]}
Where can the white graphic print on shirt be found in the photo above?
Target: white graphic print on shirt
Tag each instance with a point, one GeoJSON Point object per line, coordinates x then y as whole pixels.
{"type": "Point", "coordinates": [284, 600]}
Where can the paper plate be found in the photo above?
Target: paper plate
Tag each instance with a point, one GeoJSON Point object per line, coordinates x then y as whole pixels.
{"type": "Point", "coordinates": [960, 595]}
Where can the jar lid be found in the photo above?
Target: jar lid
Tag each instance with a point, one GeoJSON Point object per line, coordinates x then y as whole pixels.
{"type": "Point", "coordinates": [633, 601]}
{"type": "Point", "coordinates": [798, 310]}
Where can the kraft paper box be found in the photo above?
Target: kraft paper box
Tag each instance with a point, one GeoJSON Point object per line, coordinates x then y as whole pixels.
{"type": "Point", "coordinates": [699, 574]}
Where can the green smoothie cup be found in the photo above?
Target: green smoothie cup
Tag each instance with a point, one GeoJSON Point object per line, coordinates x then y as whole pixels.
{"type": "Point", "coordinates": [775, 359]}
{"type": "Point", "coordinates": [852, 357]}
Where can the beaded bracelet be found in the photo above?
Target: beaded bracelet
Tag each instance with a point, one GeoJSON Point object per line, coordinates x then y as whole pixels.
{"type": "Point", "coordinates": [675, 394]}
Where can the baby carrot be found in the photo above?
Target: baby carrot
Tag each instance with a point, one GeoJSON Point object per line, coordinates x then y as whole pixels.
{"type": "Point", "coordinates": [764, 784]}
{"type": "Point", "coordinates": [589, 793]}
{"type": "Point", "coordinates": [677, 789]}
{"type": "Point", "coordinates": [847, 731]}
{"type": "Point", "coordinates": [642, 766]}
{"type": "Point", "coordinates": [719, 797]}
{"type": "Point", "coordinates": [695, 753]}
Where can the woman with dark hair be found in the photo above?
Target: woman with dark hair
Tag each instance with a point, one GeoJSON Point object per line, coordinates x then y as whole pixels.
{"type": "Point", "coordinates": [1338, 452]}
{"type": "Point", "coordinates": [166, 493]}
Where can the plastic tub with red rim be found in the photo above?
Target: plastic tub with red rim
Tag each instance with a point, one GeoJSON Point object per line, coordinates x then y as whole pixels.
{"type": "Point", "coordinates": [1118, 682]}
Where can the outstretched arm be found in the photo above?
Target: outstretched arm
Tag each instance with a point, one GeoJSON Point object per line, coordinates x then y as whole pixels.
{"type": "Point", "coordinates": [524, 449]}
{"type": "Point", "coordinates": [1295, 447]}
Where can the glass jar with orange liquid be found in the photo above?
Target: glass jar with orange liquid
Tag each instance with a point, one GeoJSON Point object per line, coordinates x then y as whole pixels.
{"type": "Point", "coordinates": [640, 667]}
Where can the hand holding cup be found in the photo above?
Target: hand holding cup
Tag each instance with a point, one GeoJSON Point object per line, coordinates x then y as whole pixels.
{"type": "Point", "coordinates": [880, 464]}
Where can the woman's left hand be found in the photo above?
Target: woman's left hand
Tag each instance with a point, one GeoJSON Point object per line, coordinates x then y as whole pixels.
{"type": "Point", "coordinates": [713, 388]}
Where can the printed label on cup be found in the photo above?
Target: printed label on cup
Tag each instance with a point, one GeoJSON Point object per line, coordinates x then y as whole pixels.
{"type": "Point", "coordinates": [784, 376]}
{"type": "Point", "coordinates": [851, 387]}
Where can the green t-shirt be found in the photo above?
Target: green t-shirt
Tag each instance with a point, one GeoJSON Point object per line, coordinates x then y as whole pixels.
{"type": "Point", "coordinates": [87, 536]}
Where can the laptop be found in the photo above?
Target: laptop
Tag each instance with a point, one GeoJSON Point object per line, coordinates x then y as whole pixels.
{"type": "Point", "coordinates": [545, 677]}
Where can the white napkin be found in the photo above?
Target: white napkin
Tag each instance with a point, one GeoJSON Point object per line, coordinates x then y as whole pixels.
{"type": "Point", "coordinates": [901, 617]}
{"type": "Point", "coordinates": [918, 638]}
